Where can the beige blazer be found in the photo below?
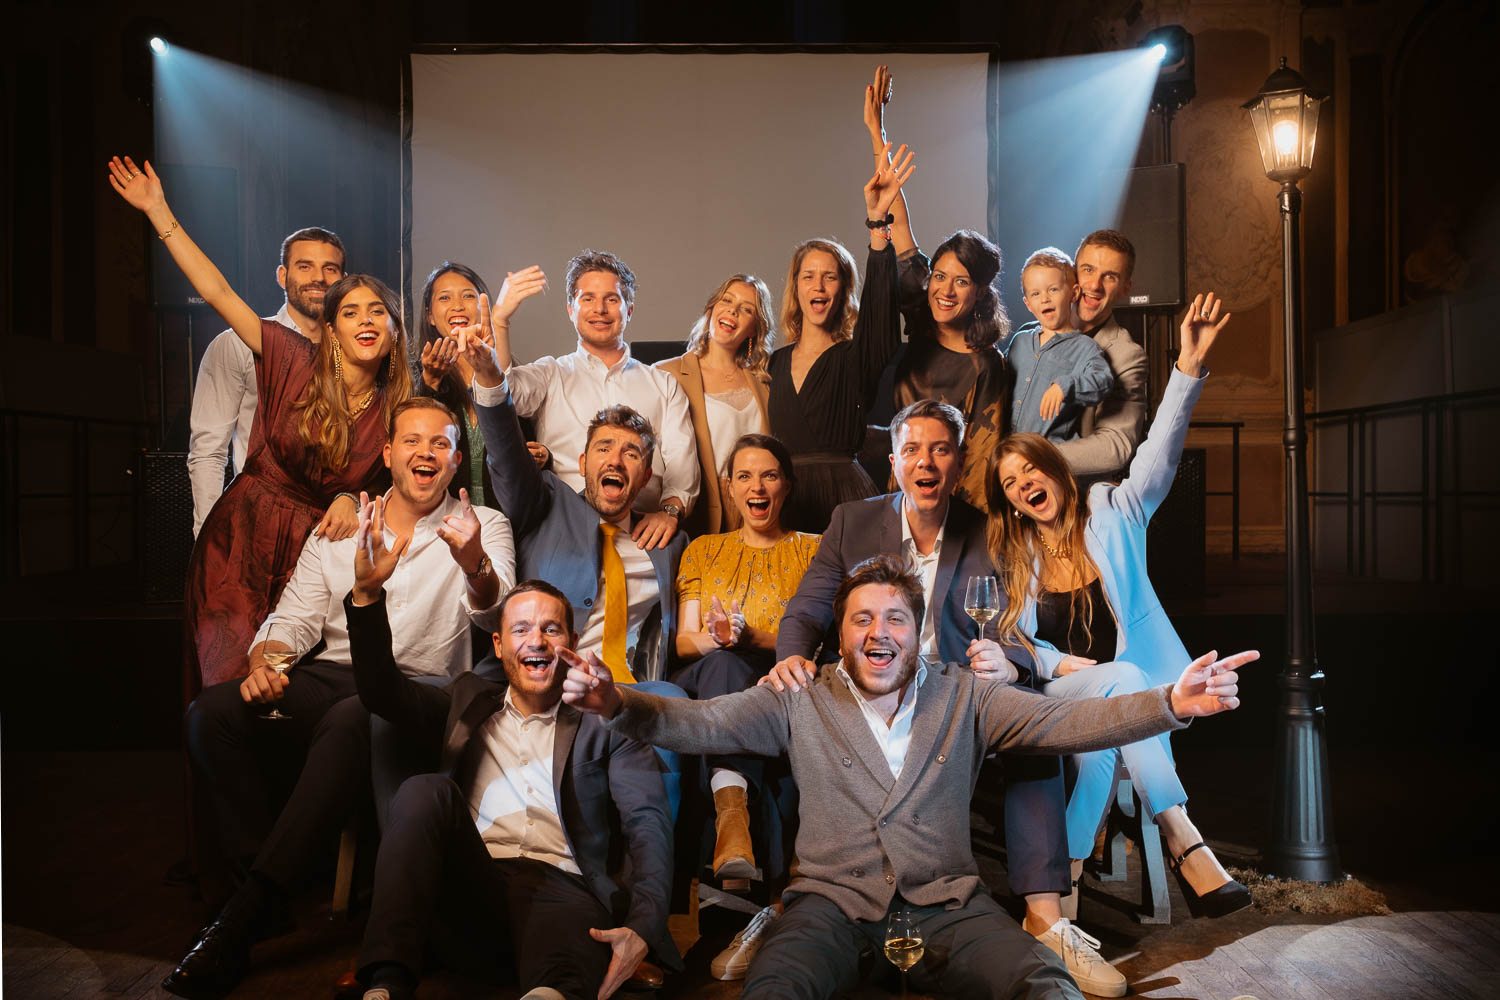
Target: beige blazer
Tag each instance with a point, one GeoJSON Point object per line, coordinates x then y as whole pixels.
{"type": "Point", "coordinates": [713, 513]}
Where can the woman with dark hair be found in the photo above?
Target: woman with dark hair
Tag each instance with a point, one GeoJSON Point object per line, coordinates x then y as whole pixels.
{"type": "Point", "coordinates": [955, 320]}
{"type": "Point", "coordinates": [823, 380]}
{"type": "Point", "coordinates": [732, 590]}
{"type": "Point", "coordinates": [724, 375]}
{"type": "Point", "coordinates": [1074, 573]}
{"type": "Point", "coordinates": [320, 428]}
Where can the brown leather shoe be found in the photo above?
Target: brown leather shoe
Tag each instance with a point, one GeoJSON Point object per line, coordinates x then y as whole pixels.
{"type": "Point", "coordinates": [348, 987]}
{"type": "Point", "coordinates": [733, 856]}
{"type": "Point", "coordinates": [645, 977]}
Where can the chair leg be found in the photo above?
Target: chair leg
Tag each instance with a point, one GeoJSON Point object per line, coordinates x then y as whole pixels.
{"type": "Point", "coordinates": [1156, 905]}
{"type": "Point", "coordinates": [343, 877]}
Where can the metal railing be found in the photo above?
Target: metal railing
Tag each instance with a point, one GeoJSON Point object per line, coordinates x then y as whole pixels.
{"type": "Point", "coordinates": [1233, 493]}
{"type": "Point", "coordinates": [1362, 497]}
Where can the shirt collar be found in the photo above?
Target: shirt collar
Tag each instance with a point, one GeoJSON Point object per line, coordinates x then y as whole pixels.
{"type": "Point", "coordinates": [550, 715]}
{"type": "Point", "coordinates": [906, 539]}
{"type": "Point", "coordinates": [592, 361]}
{"type": "Point", "coordinates": [917, 680]}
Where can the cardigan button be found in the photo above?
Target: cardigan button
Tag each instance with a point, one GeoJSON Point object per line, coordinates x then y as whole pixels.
{"type": "Point", "coordinates": [890, 880]}
{"type": "Point", "coordinates": [848, 762]}
{"type": "Point", "coordinates": [857, 872]}
{"type": "Point", "coordinates": [588, 602]}
{"type": "Point", "coordinates": [942, 758]}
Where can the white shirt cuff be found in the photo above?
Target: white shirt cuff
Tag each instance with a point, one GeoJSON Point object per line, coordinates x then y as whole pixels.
{"type": "Point", "coordinates": [485, 395]}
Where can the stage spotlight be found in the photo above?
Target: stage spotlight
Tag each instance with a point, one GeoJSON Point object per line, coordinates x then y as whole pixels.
{"type": "Point", "coordinates": [1173, 46]}
{"type": "Point", "coordinates": [158, 45]}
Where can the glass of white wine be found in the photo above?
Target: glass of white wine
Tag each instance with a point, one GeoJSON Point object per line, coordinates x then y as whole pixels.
{"type": "Point", "coordinates": [903, 941]}
{"type": "Point", "coordinates": [982, 600]}
{"type": "Point", "coordinates": [279, 653]}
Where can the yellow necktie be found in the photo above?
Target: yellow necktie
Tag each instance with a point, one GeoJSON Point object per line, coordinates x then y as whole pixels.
{"type": "Point", "coordinates": [615, 605]}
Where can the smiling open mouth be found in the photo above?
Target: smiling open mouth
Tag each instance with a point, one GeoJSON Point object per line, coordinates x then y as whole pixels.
{"type": "Point", "coordinates": [612, 482]}
{"type": "Point", "coordinates": [758, 506]}
{"type": "Point", "coordinates": [818, 303]}
{"type": "Point", "coordinates": [367, 338]}
{"type": "Point", "coordinates": [880, 656]}
{"type": "Point", "coordinates": [540, 665]}
{"type": "Point", "coordinates": [425, 475]}
{"type": "Point", "coordinates": [927, 483]}
{"type": "Point", "coordinates": [1036, 498]}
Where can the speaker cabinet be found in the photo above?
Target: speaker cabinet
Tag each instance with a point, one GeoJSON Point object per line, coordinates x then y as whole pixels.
{"type": "Point", "coordinates": [1153, 218]}
{"type": "Point", "coordinates": [1175, 546]}
{"type": "Point", "coordinates": [166, 524]}
{"type": "Point", "coordinates": [207, 200]}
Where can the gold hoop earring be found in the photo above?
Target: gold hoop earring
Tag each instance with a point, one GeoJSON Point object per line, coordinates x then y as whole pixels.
{"type": "Point", "coordinates": [1015, 513]}
{"type": "Point", "coordinates": [338, 362]}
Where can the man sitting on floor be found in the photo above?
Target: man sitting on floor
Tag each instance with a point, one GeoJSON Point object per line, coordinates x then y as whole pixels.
{"type": "Point", "coordinates": [500, 862]}
{"type": "Point", "coordinates": [886, 751]}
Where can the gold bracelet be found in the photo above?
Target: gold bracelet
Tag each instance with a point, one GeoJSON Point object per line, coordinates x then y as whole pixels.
{"type": "Point", "coordinates": [170, 230]}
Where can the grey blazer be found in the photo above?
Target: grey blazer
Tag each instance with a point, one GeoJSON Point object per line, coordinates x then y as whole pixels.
{"type": "Point", "coordinates": [557, 538]}
{"type": "Point", "coordinates": [1112, 430]}
{"type": "Point", "coordinates": [865, 836]}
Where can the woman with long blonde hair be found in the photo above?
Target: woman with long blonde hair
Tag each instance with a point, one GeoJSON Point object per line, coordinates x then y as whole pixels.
{"type": "Point", "coordinates": [723, 372]}
{"type": "Point", "coordinates": [1074, 574]}
{"type": "Point", "coordinates": [319, 431]}
{"type": "Point", "coordinates": [824, 379]}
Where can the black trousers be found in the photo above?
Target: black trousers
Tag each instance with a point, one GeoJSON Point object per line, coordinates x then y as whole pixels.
{"type": "Point", "coordinates": [814, 951]}
{"type": "Point", "coordinates": [512, 920]}
{"type": "Point", "coordinates": [233, 749]}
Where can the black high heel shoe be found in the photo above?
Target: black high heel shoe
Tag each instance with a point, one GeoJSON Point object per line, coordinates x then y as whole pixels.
{"type": "Point", "coordinates": [1224, 900]}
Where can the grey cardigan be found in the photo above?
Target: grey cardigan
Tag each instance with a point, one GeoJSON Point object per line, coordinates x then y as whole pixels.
{"type": "Point", "coordinates": [863, 835]}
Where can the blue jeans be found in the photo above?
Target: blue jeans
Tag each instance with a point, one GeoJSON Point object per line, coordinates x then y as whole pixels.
{"type": "Point", "coordinates": [671, 764]}
{"type": "Point", "coordinates": [1149, 761]}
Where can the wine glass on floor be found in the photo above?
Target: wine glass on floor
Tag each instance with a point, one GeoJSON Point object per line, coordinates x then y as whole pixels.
{"type": "Point", "coordinates": [903, 942]}
{"type": "Point", "coordinates": [982, 600]}
{"type": "Point", "coordinates": [279, 653]}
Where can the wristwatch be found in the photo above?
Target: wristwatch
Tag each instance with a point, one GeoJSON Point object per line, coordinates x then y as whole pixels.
{"type": "Point", "coordinates": [483, 569]}
{"type": "Point", "coordinates": [673, 508]}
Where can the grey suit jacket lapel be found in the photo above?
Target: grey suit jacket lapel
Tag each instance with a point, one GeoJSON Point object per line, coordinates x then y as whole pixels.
{"type": "Point", "coordinates": [890, 530]}
{"type": "Point", "coordinates": [929, 719]}
{"type": "Point", "coordinates": [568, 719]}
{"type": "Point", "coordinates": [850, 719]}
{"type": "Point", "coordinates": [483, 705]}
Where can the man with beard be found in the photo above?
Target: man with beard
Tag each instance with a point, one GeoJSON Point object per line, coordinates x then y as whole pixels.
{"type": "Point", "coordinates": [943, 540]}
{"type": "Point", "coordinates": [886, 750]}
{"type": "Point", "coordinates": [500, 860]}
{"type": "Point", "coordinates": [446, 566]}
{"type": "Point", "coordinates": [224, 396]}
{"type": "Point", "coordinates": [1112, 430]}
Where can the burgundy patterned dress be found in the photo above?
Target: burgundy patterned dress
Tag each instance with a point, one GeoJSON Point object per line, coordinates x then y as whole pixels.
{"type": "Point", "coordinates": [251, 539]}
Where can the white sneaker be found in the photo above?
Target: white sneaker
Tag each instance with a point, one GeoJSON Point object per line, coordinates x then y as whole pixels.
{"type": "Point", "coordinates": [1081, 953]}
{"type": "Point", "coordinates": [731, 963]}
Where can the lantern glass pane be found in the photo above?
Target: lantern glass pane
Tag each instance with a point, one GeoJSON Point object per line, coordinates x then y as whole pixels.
{"type": "Point", "coordinates": [1309, 130]}
{"type": "Point", "coordinates": [1285, 114]}
{"type": "Point", "coordinates": [1261, 124]}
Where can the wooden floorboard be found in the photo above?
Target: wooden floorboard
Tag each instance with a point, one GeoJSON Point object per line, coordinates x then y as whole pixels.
{"type": "Point", "coordinates": [90, 916]}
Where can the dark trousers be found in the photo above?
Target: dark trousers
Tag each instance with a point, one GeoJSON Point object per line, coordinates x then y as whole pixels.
{"type": "Point", "coordinates": [513, 919]}
{"type": "Point", "coordinates": [814, 951]}
{"type": "Point", "coordinates": [233, 748]}
{"type": "Point", "coordinates": [1036, 822]}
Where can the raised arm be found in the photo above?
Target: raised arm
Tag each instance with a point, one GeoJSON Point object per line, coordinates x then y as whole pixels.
{"type": "Point", "coordinates": [142, 189]}
{"type": "Point", "coordinates": [1155, 464]}
{"type": "Point", "coordinates": [519, 286]}
{"type": "Point", "coordinates": [877, 96]}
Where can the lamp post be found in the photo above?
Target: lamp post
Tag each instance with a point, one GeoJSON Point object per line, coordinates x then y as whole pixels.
{"type": "Point", "coordinates": [1285, 117]}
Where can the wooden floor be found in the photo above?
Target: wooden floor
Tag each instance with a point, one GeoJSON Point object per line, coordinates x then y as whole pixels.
{"type": "Point", "coordinates": [88, 913]}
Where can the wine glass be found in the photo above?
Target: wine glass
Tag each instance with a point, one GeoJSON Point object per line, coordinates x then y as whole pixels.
{"type": "Point", "coordinates": [903, 940]}
{"type": "Point", "coordinates": [982, 600]}
{"type": "Point", "coordinates": [279, 658]}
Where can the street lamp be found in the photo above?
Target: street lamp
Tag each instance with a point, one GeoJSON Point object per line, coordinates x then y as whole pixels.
{"type": "Point", "coordinates": [1285, 117]}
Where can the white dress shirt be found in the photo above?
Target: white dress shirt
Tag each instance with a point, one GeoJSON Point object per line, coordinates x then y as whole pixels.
{"type": "Point", "coordinates": [730, 416]}
{"type": "Point", "coordinates": [927, 567]}
{"type": "Point", "coordinates": [222, 414]}
{"type": "Point", "coordinates": [563, 394]}
{"type": "Point", "coordinates": [512, 800]}
{"type": "Point", "coordinates": [426, 598]}
{"type": "Point", "coordinates": [641, 595]}
{"type": "Point", "coordinates": [894, 739]}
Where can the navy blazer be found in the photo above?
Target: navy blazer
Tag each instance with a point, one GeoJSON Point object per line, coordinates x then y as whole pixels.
{"type": "Point", "coordinates": [557, 538]}
{"type": "Point", "coordinates": [592, 770]}
{"type": "Point", "coordinates": [860, 529]}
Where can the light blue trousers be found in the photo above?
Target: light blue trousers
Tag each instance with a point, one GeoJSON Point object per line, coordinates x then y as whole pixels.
{"type": "Point", "coordinates": [1149, 761]}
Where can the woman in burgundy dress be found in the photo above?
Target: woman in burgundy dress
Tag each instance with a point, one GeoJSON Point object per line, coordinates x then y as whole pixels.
{"type": "Point", "coordinates": [319, 432]}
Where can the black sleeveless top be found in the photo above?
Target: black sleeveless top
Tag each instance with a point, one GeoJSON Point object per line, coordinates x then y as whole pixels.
{"type": "Point", "coordinates": [1055, 624]}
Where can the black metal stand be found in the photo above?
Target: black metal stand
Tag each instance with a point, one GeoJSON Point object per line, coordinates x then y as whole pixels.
{"type": "Point", "coordinates": [1302, 844]}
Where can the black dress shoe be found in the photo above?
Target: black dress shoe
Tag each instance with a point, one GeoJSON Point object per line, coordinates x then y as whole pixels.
{"type": "Point", "coordinates": [214, 965]}
{"type": "Point", "coordinates": [1220, 902]}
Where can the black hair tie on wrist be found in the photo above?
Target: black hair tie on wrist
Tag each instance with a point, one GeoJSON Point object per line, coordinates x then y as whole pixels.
{"type": "Point", "coordinates": [880, 223]}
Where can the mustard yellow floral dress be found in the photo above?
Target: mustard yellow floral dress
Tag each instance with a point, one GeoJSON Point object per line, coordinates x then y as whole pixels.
{"type": "Point", "coordinates": [762, 580]}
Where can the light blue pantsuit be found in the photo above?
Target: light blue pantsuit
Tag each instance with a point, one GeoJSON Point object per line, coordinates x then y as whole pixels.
{"type": "Point", "coordinates": [1148, 651]}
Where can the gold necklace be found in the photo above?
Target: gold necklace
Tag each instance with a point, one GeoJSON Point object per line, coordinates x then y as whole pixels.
{"type": "Point", "coordinates": [364, 403]}
{"type": "Point", "coordinates": [1060, 553]}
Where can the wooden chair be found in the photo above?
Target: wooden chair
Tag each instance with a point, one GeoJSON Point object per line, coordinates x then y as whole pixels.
{"type": "Point", "coordinates": [1128, 821]}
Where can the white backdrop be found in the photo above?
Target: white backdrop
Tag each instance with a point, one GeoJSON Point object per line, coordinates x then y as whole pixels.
{"type": "Point", "coordinates": [689, 166]}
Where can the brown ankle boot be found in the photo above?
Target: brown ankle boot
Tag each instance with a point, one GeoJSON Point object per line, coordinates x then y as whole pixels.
{"type": "Point", "coordinates": [733, 857]}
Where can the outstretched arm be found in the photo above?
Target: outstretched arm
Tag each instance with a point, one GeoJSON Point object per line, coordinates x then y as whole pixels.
{"type": "Point", "coordinates": [519, 286]}
{"type": "Point", "coordinates": [142, 189]}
